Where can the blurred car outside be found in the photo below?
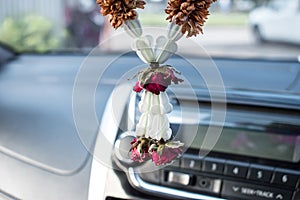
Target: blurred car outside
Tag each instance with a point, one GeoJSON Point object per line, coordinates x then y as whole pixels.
{"type": "Point", "coordinates": [276, 21]}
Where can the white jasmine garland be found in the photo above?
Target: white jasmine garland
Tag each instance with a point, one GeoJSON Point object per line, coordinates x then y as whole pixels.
{"type": "Point", "coordinates": [154, 122]}
{"type": "Point", "coordinates": [153, 132]}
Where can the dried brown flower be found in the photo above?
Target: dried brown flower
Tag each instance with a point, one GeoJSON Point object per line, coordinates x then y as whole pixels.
{"type": "Point", "coordinates": [189, 14]}
{"type": "Point", "coordinates": [120, 10]}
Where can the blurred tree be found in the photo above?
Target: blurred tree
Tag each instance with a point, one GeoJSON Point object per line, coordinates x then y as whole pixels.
{"type": "Point", "coordinates": [31, 33]}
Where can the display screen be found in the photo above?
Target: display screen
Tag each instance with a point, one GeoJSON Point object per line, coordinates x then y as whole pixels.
{"type": "Point", "coordinates": [263, 144]}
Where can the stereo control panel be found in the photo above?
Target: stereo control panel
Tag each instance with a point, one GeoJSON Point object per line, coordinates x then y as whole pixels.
{"type": "Point", "coordinates": [227, 179]}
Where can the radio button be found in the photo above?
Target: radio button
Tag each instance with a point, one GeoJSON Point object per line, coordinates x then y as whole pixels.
{"type": "Point", "coordinates": [245, 191]}
{"type": "Point", "coordinates": [191, 163]}
{"type": "Point", "coordinates": [236, 169]}
{"type": "Point", "coordinates": [261, 173]}
{"type": "Point", "coordinates": [178, 178]}
{"type": "Point", "coordinates": [213, 165]}
{"type": "Point", "coordinates": [286, 177]}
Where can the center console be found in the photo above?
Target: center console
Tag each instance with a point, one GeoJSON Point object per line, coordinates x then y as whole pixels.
{"type": "Point", "coordinates": [256, 156]}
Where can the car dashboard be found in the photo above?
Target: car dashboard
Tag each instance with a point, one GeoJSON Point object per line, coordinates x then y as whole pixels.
{"type": "Point", "coordinates": [67, 120]}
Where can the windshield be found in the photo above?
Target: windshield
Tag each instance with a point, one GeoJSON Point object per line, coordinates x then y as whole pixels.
{"type": "Point", "coordinates": [235, 28]}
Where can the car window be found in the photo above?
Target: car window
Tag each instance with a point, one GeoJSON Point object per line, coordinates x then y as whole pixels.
{"type": "Point", "coordinates": [234, 28]}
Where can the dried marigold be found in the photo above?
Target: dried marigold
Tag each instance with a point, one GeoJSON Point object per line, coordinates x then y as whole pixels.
{"type": "Point", "coordinates": [189, 14]}
{"type": "Point", "coordinates": [120, 11]}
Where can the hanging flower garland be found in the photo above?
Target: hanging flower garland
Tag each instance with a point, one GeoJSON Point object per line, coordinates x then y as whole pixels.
{"type": "Point", "coordinates": [153, 134]}
{"type": "Point", "coordinates": [189, 14]}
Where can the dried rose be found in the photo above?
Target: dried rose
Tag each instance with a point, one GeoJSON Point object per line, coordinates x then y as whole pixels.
{"type": "Point", "coordinates": [137, 88]}
{"type": "Point", "coordinates": [173, 78]}
{"type": "Point", "coordinates": [137, 156]}
{"type": "Point", "coordinates": [139, 149]}
{"type": "Point", "coordinates": [166, 156]}
{"type": "Point", "coordinates": [156, 80]}
{"type": "Point", "coordinates": [161, 152]}
{"type": "Point", "coordinates": [157, 83]}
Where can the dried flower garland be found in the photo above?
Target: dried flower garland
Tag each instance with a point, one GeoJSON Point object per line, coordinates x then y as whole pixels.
{"type": "Point", "coordinates": [120, 10]}
{"type": "Point", "coordinates": [189, 14]}
{"type": "Point", "coordinates": [153, 134]}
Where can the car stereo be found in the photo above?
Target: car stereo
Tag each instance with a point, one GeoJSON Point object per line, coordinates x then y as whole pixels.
{"type": "Point", "coordinates": [256, 156]}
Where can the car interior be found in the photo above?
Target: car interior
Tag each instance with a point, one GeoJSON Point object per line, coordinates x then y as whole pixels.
{"type": "Point", "coordinates": [69, 111]}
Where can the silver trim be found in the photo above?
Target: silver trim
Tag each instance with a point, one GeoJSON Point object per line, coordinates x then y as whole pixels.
{"type": "Point", "coordinates": [118, 148]}
{"type": "Point", "coordinates": [139, 184]}
{"type": "Point", "coordinates": [248, 97]}
{"type": "Point", "coordinates": [107, 133]}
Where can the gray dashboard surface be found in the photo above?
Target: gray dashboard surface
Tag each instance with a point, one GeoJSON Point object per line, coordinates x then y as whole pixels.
{"type": "Point", "coordinates": [41, 153]}
{"type": "Point", "coordinates": [36, 112]}
{"type": "Point", "coordinates": [36, 119]}
{"type": "Point", "coordinates": [36, 116]}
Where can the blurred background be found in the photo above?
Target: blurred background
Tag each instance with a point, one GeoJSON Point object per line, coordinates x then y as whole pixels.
{"type": "Point", "coordinates": [235, 28]}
